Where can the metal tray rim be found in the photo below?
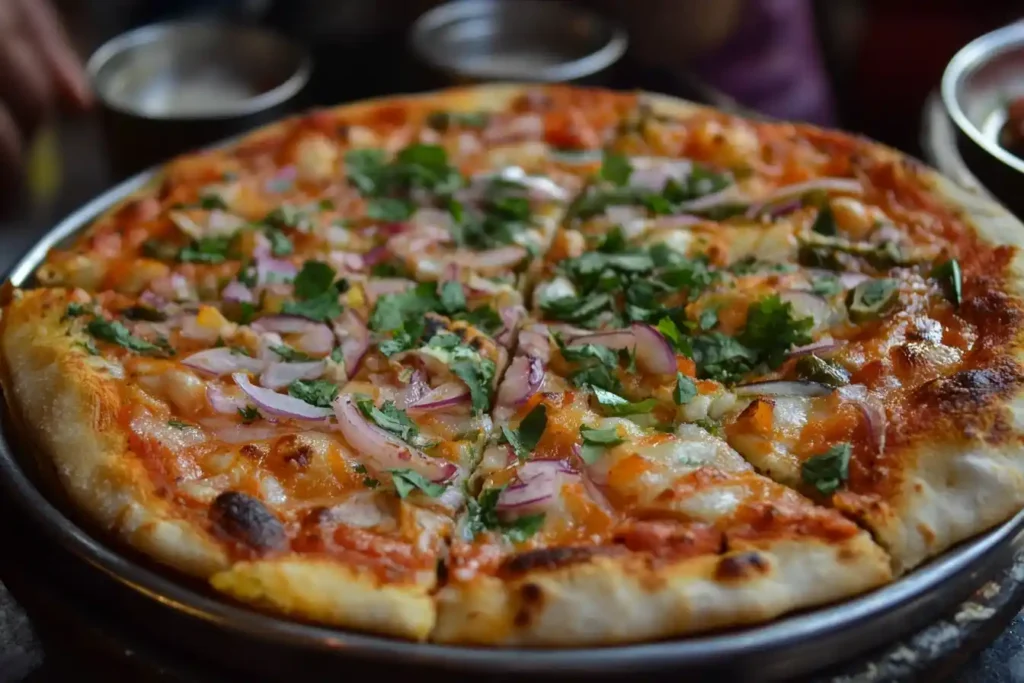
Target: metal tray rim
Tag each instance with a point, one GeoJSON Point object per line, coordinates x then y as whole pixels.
{"type": "Point", "coordinates": [792, 631]}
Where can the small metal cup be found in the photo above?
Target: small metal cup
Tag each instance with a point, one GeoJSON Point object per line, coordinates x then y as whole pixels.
{"type": "Point", "coordinates": [977, 85]}
{"type": "Point", "coordinates": [471, 41]}
{"type": "Point", "coordinates": [172, 87]}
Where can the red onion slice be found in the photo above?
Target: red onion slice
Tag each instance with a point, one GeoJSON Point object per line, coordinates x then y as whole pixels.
{"type": "Point", "coordinates": [280, 375]}
{"type": "Point", "coordinates": [445, 396]}
{"type": "Point", "coordinates": [802, 388]}
{"type": "Point", "coordinates": [236, 291]}
{"type": "Point", "coordinates": [354, 338]}
{"type": "Point", "coordinates": [283, 324]}
{"type": "Point", "coordinates": [270, 270]}
{"type": "Point", "coordinates": [535, 341]}
{"type": "Point", "coordinates": [724, 197]}
{"type": "Point", "coordinates": [317, 340]}
{"type": "Point", "coordinates": [415, 388]}
{"type": "Point", "coordinates": [836, 185]}
{"type": "Point", "coordinates": [223, 403]}
{"type": "Point", "coordinates": [502, 257]}
{"type": "Point", "coordinates": [378, 287]}
{"type": "Point", "coordinates": [620, 214]}
{"type": "Point", "coordinates": [871, 409]}
{"type": "Point", "coordinates": [654, 353]}
{"type": "Point", "coordinates": [385, 451]}
{"type": "Point", "coordinates": [268, 400]}
{"type": "Point", "coordinates": [523, 379]}
{"type": "Point", "coordinates": [538, 485]}
{"type": "Point", "coordinates": [823, 346]}
{"type": "Point", "coordinates": [613, 339]}
{"type": "Point", "coordinates": [222, 361]}
{"type": "Point", "coordinates": [375, 256]}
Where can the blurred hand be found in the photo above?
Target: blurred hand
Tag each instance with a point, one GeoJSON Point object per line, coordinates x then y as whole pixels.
{"type": "Point", "coordinates": [39, 72]}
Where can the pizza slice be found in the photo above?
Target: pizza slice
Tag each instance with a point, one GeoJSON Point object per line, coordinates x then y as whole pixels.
{"type": "Point", "coordinates": [586, 528]}
{"type": "Point", "coordinates": [232, 453]}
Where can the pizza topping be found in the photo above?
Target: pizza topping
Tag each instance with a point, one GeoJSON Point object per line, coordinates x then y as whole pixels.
{"type": "Point", "coordinates": [653, 352]}
{"type": "Point", "coordinates": [280, 375]}
{"type": "Point", "coordinates": [316, 292]}
{"type": "Point", "coordinates": [354, 339]}
{"type": "Point", "coordinates": [828, 471]}
{"type": "Point", "coordinates": [537, 486]}
{"type": "Point", "coordinates": [116, 333]}
{"type": "Point", "coordinates": [223, 361]}
{"type": "Point", "coordinates": [524, 439]}
{"type": "Point", "coordinates": [394, 421]}
{"type": "Point", "coordinates": [949, 277]}
{"type": "Point", "coordinates": [812, 368]}
{"type": "Point", "coordinates": [823, 346]}
{"type": "Point", "coordinates": [482, 515]}
{"type": "Point", "coordinates": [521, 381]}
{"type": "Point", "coordinates": [447, 395]}
{"type": "Point", "coordinates": [787, 193]}
{"type": "Point", "coordinates": [596, 441]}
{"type": "Point", "coordinates": [613, 404]}
{"type": "Point", "coordinates": [245, 519]}
{"type": "Point", "coordinates": [685, 390]}
{"type": "Point", "coordinates": [871, 299]}
{"type": "Point", "coordinates": [808, 305]}
{"type": "Point", "coordinates": [273, 403]}
{"type": "Point", "coordinates": [871, 409]}
{"type": "Point", "coordinates": [783, 388]}
{"type": "Point", "coordinates": [384, 450]}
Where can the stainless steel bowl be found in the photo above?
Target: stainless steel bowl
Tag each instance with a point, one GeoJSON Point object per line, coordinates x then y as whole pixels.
{"type": "Point", "coordinates": [977, 85]}
{"type": "Point", "coordinates": [517, 40]}
{"type": "Point", "coordinates": [171, 87]}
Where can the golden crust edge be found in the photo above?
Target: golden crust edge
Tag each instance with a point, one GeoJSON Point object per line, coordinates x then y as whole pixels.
{"type": "Point", "coordinates": [611, 600]}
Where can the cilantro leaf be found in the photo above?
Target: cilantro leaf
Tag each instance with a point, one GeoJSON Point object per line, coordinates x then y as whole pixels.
{"type": "Point", "coordinates": [288, 216]}
{"type": "Point", "coordinates": [210, 250]}
{"type": "Point", "coordinates": [76, 309]}
{"type": "Point", "coordinates": [406, 481]}
{"type": "Point", "coordinates": [482, 515]}
{"type": "Point", "coordinates": [721, 357]}
{"type": "Point", "coordinates": [825, 222]}
{"type": "Point", "coordinates": [453, 297]}
{"type": "Point", "coordinates": [827, 471]}
{"type": "Point", "coordinates": [393, 420]}
{"type": "Point", "coordinates": [708, 318]}
{"type": "Point", "coordinates": [826, 285]}
{"type": "Point", "coordinates": [772, 328]}
{"type": "Point", "coordinates": [522, 528]}
{"type": "Point", "coordinates": [280, 245]}
{"type": "Point", "coordinates": [613, 404]}
{"type": "Point", "coordinates": [477, 375]}
{"type": "Point", "coordinates": [116, 333]}
{"type": "Point", "coordinates": [392, 310]}
{"type": "Point", "coordinates": [950, 279]}
{"type": "Point", "coordinates": [596, 441]}
{"type": "Point", "coordinates": [249, 414]}
{"type": "Point", "coordinates": [484, 318]}
{"type": "Point", "coordinates": [685, 390]}
{"type": "Point", "coordinates": [323, 307]}
{"type": "Point", "coordinates": [389, 209]}
{"type": "Point", "coordinates": [531, 429]}
{"type": "Point", "coordinates": [615, 168]}
{"type": "Point", "coordinates": [315, 278]}
{"type": "Point", "coordinates": [317, 392]}
{"type": "Point", "coordinates": [288, 354]}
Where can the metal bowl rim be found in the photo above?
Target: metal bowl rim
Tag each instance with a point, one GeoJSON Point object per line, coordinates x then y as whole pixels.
{"type": "Point", "coordinates": [441, 16]}
{"type": "Point", "coordinates": [143, 35]}
{"type": "Point", "coordinates": [968, 59]}
{"type": "Point", "coordinates": [793, 630]}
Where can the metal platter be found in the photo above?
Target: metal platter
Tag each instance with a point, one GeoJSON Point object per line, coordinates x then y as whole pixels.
{"type": "Point", "coordinates": [183, 613]}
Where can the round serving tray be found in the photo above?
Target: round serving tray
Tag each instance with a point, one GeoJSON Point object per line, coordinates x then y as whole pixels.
{"type": "Point", "coordinates": [185, 615]}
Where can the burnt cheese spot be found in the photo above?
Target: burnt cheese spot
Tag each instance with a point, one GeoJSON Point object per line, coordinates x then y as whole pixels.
{"type": "Point", "coordinates": [968, 391]}
{"type": "Point", "coordinates": [254, 452]}
{"type": "Point", "coordinates": [742, 566]}
{"type": "Point", "coordinates": [293, 450]}
{"type": "Point", "coordinates": [246, 520]}
{"type": "Point", "coordinates": [550, 558]}
{"type": "Point", "coordinates": [531, 601]}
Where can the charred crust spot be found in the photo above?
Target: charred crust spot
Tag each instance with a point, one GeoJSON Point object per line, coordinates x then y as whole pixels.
{"type": "Point", "coordinates": [531, 593]}
{"type": "Point", "coordinates": [253, 451]}
{"type": "Point", "coordinates": [246, 520]}
{"type": "Point", "coordinates": [741, 566]}
{"type": "Point", "coordinates": [294, 450]}
{"type": "Point", "coordinates": [548, 559]}
{"type": "Point", "coordinates": [531, 600]}
{"type": "Point", "coordinates": [968, 391]}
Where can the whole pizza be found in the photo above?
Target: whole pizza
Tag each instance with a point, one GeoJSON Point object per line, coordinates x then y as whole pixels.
{"type": "Point", "coordinates": [542, 366]}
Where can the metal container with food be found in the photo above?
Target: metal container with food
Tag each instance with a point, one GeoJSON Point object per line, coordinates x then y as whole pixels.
{"type": "Point", "coordinates": [522, 40]}
{"type": "Point", "coordinates": [983, 93]}
{"type": "Point", "coordinates": [171, 87]}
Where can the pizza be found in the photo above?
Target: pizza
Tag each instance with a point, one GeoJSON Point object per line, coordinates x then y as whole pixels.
{"type": "Point", "coordinates": [538, 366]}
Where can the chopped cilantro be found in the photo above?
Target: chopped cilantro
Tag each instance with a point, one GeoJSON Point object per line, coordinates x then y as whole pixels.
{"type": "Point", "coordinates": [582, 311]}
{"type": "Point", "coordinates": [389, 209]}
{"type": "Point", "coordinates": [772, 329]}
{"type": "Point", "coordinates": [368, 482]}
{"type": "Point", "coordinates": [249, 414]}
{"type": "Point", "coordinates": [531, 429]}
{"type": "Point", "coordinates": [685, 390]}
{"type": "Point", "coordinates": [826, 285]}
{"type": "Point", "coordinates": [453, 297]}
{"type": "Point", "coordinates": [615, 168]}
{"type": "Point", "coordinates": [825, 222]}
{"type": "Point", "coordinates": [406, 481]}
{"type": "Point", "coordinates": [178, 424]}
{"type": "Point", "coordinates": [315, 278]}
{"type": "Point", "coordinates": [317, 392]}
{"type": "Point", "coordinates": [417, 166]}
{"type": "Point", "coordinates": [484, 318]}
{"type": "Point", "coordinates": [288, 354]}
{"type": "Point", "coordinates": [393, 420]}
{"type": "Point", "coordinates": [708, 318]}
{"type": "Point", "coordinates": [477, 375]}
{"type": "Point", "coordinates": [482, 515]}
{"type": "Point", "coordinates": [280, 245]}
{"type": "Point", "coordinates": [288, 216]}
{"type": "Point", "coordinates": [211, 250]}
{"type": "Point", "coordinates": [210, 202]}
{"type": "Point", "coordinates": [596, 441]}
{"type": "Point", "coordinates": [88, 346]}
{"type": "Point", "coordinates": [613, 404]}
{"type": "Point", "coordinates": [76, 309]}
{"type": "Point", "coordinates": [157, 249]}
{"type": "Point", "coordinates": [950, 279]}
{"type": "Point", "coordinates": [392, 310]}
{"type": "Point", "coordinates": [323, 307]}
{"type": "Point", "coordinates": [872, 298]}
{"type": "Point", "coordinates": [317, 293]}
{"type": "Point", "coordinates": [827, 471]}
{"type": "Point", "coordinates": [116, 333]}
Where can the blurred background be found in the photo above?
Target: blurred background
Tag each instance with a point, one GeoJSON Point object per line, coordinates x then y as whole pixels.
{"type": "Point", "coordinates": [863, 65]}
